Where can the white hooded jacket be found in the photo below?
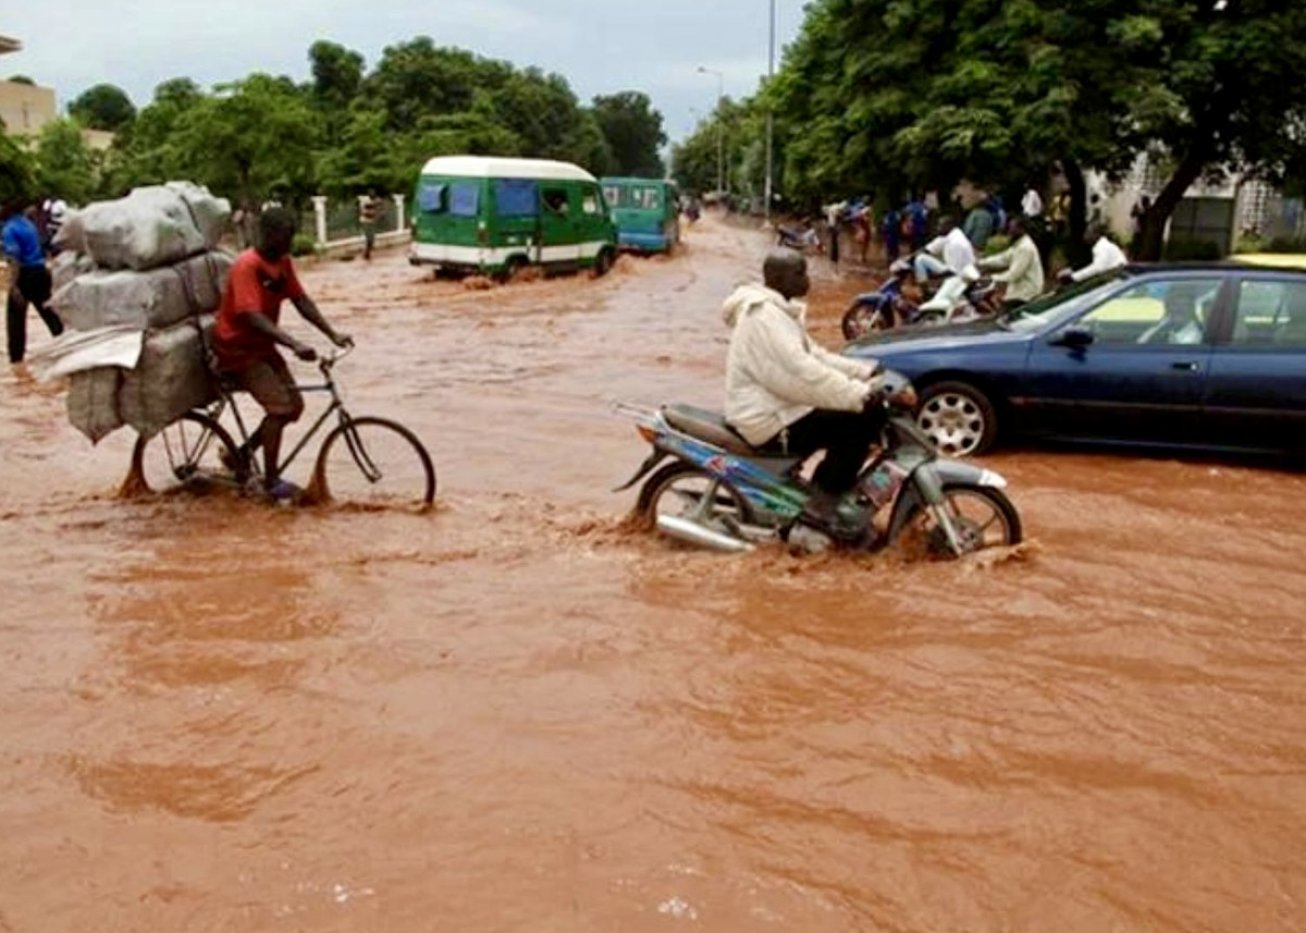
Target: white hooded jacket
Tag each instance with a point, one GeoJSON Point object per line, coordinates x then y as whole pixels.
{"type": "Point", "coordinates": [775, 374]}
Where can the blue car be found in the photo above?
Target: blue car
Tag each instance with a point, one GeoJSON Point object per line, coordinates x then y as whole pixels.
{"type": "Point", "coordinates": [1208, 356]}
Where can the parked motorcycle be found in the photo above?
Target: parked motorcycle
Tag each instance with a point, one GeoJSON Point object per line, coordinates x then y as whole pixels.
{"type": "Point", "coordinates": [718, 492]}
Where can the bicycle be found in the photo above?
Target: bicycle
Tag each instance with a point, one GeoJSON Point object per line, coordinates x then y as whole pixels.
{"type": "Point", "coordinates": [355, 458]}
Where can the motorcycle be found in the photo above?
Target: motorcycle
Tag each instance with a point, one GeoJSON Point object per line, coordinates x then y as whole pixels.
{"type": "Point", "coordinates": [883, 309]}
{"type": "Point", "coordinates": [965, 297]}
{"type": "Point", "coordinates": [719, 492]}
{"type": "Point", "coordinates": [804, 240]}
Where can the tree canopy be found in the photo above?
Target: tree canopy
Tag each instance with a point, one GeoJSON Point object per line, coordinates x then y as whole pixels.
{"type": "Point", "coordinates": [634, 133]}
{"type": "Point", "coordinates": [348, 128]}
{"type": "Point", "coordinates": [103, 107]}
{"type": "Point", "coordinates": [920, 93]}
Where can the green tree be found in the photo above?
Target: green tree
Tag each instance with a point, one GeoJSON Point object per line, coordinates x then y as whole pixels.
{"type": "Point", "coordinates": [150, 151]}
{"type": "Point", "coordinates": [416, 79]}
{"type": "Point", "coordinates": [924, 92]}
{"type": "Point", "coordinates": [633, 130]}
{"type": "Point", "coordinates": [22, 79]}
{"type": "Point", "coordinates": [252, 140]}
{"type": "Point", "coordinates": [337, 73]}
{"type": "Point", "coordinates": [65, 165]}
{"type": "Point", "coordinates": [17, 174]}
{"type": "Point", "coordinates": [103, 107]}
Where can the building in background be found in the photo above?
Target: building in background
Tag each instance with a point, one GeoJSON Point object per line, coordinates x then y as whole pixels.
{"type": "Point", "coordinates": [25, 108]}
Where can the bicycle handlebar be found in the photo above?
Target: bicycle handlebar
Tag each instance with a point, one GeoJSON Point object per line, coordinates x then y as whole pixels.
{"type": "Point", "coordinates": [327, 361]}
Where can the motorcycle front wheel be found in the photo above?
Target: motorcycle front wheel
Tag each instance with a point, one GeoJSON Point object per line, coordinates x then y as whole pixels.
{"type": "Point", "coordinates": [982, 516]}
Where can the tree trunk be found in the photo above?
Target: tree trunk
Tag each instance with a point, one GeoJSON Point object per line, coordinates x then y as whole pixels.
{"type": "Point", "coordinates": [1077, 252]}
{"type": "Point", "coordinates": [1158, 215]}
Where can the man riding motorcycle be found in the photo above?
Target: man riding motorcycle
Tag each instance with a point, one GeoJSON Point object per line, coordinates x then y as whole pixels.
{"type": "Point", "coordinates": [786, 393]}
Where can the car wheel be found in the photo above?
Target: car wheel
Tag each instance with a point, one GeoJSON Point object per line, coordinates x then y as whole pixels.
{"type": "Point", "coordinates": [958, 418]}
{"type": "Point", "coordinates": [603, 263]}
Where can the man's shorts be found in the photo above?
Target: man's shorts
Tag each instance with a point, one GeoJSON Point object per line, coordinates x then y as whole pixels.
{"type": "Point", "coordinates": [268, 379]}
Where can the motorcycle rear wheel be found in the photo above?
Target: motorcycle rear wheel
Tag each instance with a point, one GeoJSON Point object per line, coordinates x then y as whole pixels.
{"type": "Point", "coordinates": [678, 490]}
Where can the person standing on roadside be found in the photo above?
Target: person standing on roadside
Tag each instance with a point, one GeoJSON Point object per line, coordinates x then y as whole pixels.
{"type": "Point", "coordinates": [978, 226]}
{"type": "Point", "coordinates": [369, 210]}
{"type": "Point", "coordinates": [1031, 205]}
{"type": "Point", "coordinates": [29, 278]}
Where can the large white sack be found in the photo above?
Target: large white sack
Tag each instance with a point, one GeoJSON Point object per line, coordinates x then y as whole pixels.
{"type": "Point", "coordinates": [153, 226]}
{"type": "Point", "coordinates": [67, 266]}
{"type": "Point", "coordinates": [93, 401]}
{"type": "Point", "coordinates": [76, 351]}
{"type": "Point", "coordinates": [156, 298]}
{"type": "Point", "coordinates": [171, 378]}
{"type": "Point", "coordinates": [210, 213]}
{"type": "Point", "coordinates": [71, 237]}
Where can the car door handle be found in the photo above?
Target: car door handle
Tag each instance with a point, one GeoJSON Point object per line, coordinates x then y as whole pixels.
{"type": "Point", "coordinates": [1186, 367]}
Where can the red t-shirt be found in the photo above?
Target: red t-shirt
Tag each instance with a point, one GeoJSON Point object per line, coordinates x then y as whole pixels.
{"type": "Point", "coordinates": [255, 286]}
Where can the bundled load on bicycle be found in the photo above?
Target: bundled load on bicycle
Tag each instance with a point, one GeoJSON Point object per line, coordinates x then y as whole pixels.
{"type": "Point", "coordinates": [168, 328]}
{"type": "Point", "coordinates": [140, 279]}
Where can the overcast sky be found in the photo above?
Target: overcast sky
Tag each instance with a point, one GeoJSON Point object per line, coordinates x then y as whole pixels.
{"type": "Point", "coordinates": [599, 45]}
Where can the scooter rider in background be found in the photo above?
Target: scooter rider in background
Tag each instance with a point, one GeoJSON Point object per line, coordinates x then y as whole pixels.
{"type": "Point", "coordinates": [1022, 273]}
{"type": "Point", "coordinates": [949, 253]}
{"type": "Point", "coordinates": [1106, 256]}
{"type": "Point", "coordinates": [786, 393]}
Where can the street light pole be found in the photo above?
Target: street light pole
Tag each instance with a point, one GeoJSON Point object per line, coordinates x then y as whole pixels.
{"type": "Point", "coordinates": [720, 127]}
{"type": "Point", "coordinates": [770, 124]}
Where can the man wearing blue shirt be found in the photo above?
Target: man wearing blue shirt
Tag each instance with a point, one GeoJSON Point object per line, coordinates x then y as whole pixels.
{"type": "Point", "coordinates": [29, 279]}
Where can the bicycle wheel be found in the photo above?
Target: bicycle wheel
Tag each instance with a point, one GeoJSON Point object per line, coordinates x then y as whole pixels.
{"type": "Point", "coordinates": [194, 450]}
{"type": "Point", "coordinates": [374, 462]}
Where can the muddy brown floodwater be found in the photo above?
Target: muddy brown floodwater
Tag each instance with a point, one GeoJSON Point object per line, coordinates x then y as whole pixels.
{"type": "Point", "coordinates": [511, 714]}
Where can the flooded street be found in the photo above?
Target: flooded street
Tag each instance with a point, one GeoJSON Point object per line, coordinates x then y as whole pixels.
{"type": "Point", "coordinates": [516, 714]}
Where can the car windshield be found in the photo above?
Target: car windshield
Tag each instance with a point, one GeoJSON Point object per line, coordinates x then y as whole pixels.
{"type": "Point", "coordinates": [1056, 307]}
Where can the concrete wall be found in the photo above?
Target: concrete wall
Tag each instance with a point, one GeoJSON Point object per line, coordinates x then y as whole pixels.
{"type": "Point", "coordinates": [25, 108]}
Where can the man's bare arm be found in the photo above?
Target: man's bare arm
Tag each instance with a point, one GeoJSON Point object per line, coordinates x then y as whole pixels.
{"type": "Point", "coordinates": [308, 310]}
{"type": "Point", "coordinates": [264, 325]}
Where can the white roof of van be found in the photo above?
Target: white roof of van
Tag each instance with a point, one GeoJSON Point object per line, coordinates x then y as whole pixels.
{"type": "Point", "coordinates": [493, 167]}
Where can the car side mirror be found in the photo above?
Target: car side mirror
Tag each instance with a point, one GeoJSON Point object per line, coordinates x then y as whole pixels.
{"type": "Point", "coordinates": [1073, 338]}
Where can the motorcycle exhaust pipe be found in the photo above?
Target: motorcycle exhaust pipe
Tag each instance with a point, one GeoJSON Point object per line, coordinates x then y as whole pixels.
{"type": "Point", "coordinates": [682, 529]}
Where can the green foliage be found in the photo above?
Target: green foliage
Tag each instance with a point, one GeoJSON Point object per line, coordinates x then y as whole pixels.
{"type": "Point", "coordinates": [737, 131]}
{"type": "Point", "coordinates": [348, 131]}
{"type": "Point", "coordinates": [634, 133]}
{"type": "Point", "coordinates": [17, 173]}
{"type": "Point", "coordinates": [65, 165]}
{"type": "Point", "coordinates": [253, 139]}
{"type": "Point", "coordinates": [103, 107]}
{"type": "Point", "coordinates": [898, 94]}
{"type": "Point", "coordinates": [21, 79]}
{"type": "Point", "coordinates": [337, 74]}
{"type": "Point", "coordinates": [303, 245]}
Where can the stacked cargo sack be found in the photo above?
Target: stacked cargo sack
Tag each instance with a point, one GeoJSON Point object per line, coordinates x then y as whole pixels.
{"type": "Point", "coordinates": [147, 261]}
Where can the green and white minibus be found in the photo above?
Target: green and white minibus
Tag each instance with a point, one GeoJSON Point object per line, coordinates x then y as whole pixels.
{"type": "Point", "coordinates": [496, 216]}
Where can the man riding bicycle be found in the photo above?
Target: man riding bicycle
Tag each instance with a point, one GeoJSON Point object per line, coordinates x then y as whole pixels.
{"type": "Point", "coordinates": [246, 335]}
